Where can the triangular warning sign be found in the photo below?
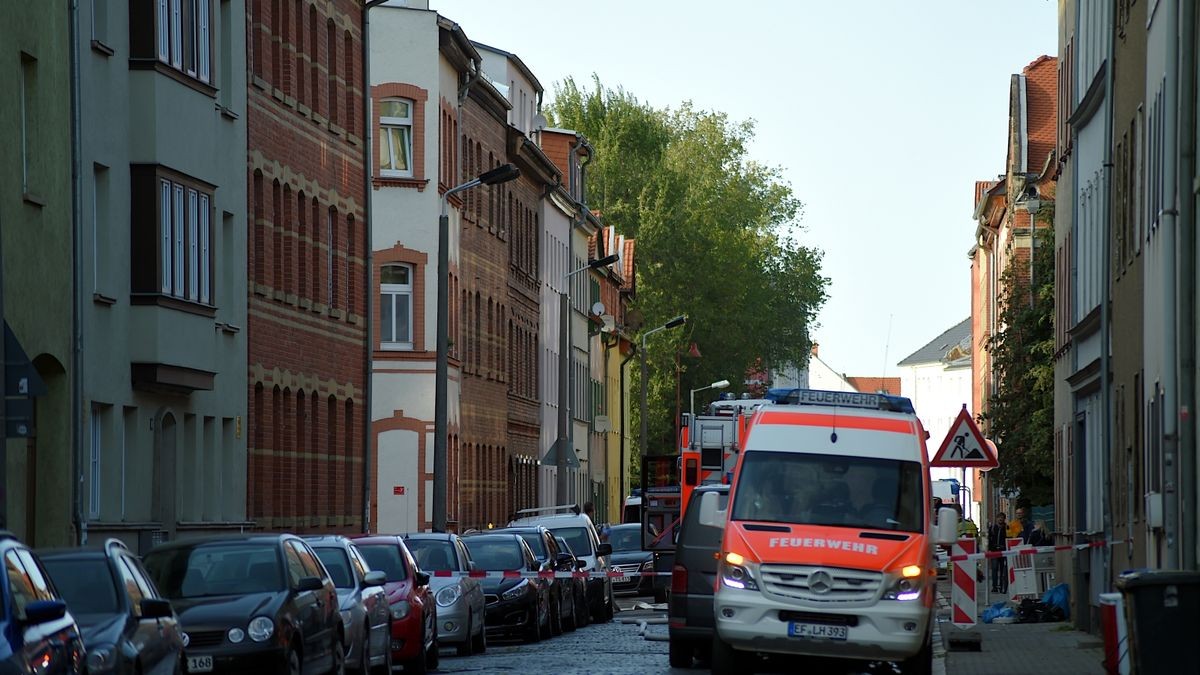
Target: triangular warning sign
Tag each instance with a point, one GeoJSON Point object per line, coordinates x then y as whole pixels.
{"type": "Point", "coordinates": [964, 446]}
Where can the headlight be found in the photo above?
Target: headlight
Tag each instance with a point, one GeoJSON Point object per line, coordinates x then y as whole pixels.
{"type": "Point", "coordinates": [346, 618]}
{"type": "Point", "coordinates": [101, 658]}
{"type": "Point", "coordinates": [236, 635]}
{"type": "Point", "coordinates": [401, 609]}
{"type": "Point", "coordinates": [261, 629]}
{"type": "Point", "coordinates": [448, 595]}
{"type": "Point", "coordinates": [516, 591]}
{"type": "Point", "coordinates": [648, 566]}
{"type": "Point", "coordinates": [737, 576]}
{"type": "Point", "coordinates": [907, 585]}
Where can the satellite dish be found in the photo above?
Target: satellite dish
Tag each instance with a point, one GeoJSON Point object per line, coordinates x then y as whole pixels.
{"type": "Point", "coordinates": [539, 122]}
{"type": "Point", "coordinates": [598, 308]}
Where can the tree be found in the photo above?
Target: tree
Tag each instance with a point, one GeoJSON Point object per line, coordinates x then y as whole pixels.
{"type": "Point", "coordinates": [716, 239]}
{"type": "Point", "coordinates": [1020, 412]}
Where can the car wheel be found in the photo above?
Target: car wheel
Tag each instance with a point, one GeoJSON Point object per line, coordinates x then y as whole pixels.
{"type": "Point", "coordinates": [419, 664]}
{"type": "Point", "coordinates": [292, 662]}
{"type": "Point", "coordinates": [468, 646]}
{"type": "Point", "coordinates": [921, 663]}
{"type": "Point", "coordinates": [385, 668]}
{"type": "Point", "coordinates": [584, 612]}
{"type": "Point", "coordinates": [533, 632]}
{"type": "Point", "coordinates": [339, 657]}
{"type": "Point", "coordinates": [555, 618]}
{"type": "Point", "coordinates": [433, 657]}
{"type": "Point", "coordinates": [572, 621]}
{"type": "Point", "coordinates": [364, 654]}
{"type": "Point", "coordinates": [479, 642]}
{"type": "Point", "coordinates": [725, 659]}
{"type": "Point", "coordinates": [680, 652]}
{"type": "Point", "coordinates": [660, 595]}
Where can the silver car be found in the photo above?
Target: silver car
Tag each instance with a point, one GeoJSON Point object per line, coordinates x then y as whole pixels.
{"type": "Point", "coordinates": [366, 617]}
{"type": "Point", "coordinates": [460, 605]}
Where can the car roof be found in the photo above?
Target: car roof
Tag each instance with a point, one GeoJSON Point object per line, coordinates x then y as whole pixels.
{"type": "Point", "coordinates": [363, 539]}
{"type": "Point", "coordinates": [439, 536]}
{"type": "Point", "coordinates": [327, 540]}
{"type": "Point", "coordinates": [548, 521]}
{"type": "Point", "coordinates": [494, 536]}
{"type": "Point", "coordinates": [524, 527]}
{"type": "Point", "coordinates": [248, 538]}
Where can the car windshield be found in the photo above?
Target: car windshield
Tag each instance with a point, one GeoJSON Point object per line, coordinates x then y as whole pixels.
{"type": "Point", "coordinates": [433, 555]}
{"type": "Point", "coordinates": [842, 491]}
{"type": "Point", "coordinates": [577, 537]}
{"type": "Point", "coordinates": [536, 543]}
{"type": "Point", "coordinates": [496, 554]}
{"type": "Point", "coordinates": [216, 569]}
{"type": "Point", "coordinates": [386, 558]}
{"type": "Point", "coordinates": [86, 585]}
{"type": "Point", "coordinates": [626, 538]}
{"type": "Point", "coordinates": [338, 564]}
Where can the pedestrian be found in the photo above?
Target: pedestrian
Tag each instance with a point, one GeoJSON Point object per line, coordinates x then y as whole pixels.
{"type": "Point", "coordinates": [996, 535]}
{"type": "Point", "coordinates": [589, 510]}
{"type": "Point", "coordinates": [1040, 536]}
{"type": "Point", "coordinates": [1021, 526]}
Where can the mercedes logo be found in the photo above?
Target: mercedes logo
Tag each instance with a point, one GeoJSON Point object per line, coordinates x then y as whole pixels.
{"type": "Point", "coordinates": [820, 582]}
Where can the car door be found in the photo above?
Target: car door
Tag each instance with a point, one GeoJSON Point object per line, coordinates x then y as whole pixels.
{"type": "Point", "coordinates": [327, 603]}
{"type": "Point", "coordinates": [47, 644]}
{"type": "Point", "coordinates": [470, 585]}
{"type": "Point", "coordinates": [559, 586]}
{"type": "Point", "coordinates": [374, 600]}
{"type": "Point", "coordinates": [307, 607]}
{"type": "Point", "coordinates": [146, 635]}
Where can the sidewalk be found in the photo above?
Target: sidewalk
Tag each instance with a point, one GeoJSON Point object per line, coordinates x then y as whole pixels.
{"type": "Point", "coordinates": [1020, 648]}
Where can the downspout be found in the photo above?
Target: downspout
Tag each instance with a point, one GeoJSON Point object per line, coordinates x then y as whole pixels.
{"type": "Point", "coordinates": [583, 214]}
{"type": "Point", "coordinates": [568, 344]}
{"type": "Point", "coordinates": [1189, 549]}
{"type": "Point", "coordinates": [1105, 313]}
{"type": "Point", "coordinates": [1168, 246]}
{"type": "Point", "coordinates": [625, 361]}
{"type": "Point", "coordinates": [368, 290]}
{"type": "Point", "coordinates": [76, 406]}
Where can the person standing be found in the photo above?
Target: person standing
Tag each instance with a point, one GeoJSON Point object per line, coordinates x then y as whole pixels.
{"type": "Point", "coordinates": [996, 535]}
{"type": "Point", "coordinates": [1022, 525]}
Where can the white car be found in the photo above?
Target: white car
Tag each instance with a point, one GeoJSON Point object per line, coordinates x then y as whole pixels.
{"type": "Point", "coordinates": [575, 527]}
{"type": "Point", "coordinates": [461, 609]}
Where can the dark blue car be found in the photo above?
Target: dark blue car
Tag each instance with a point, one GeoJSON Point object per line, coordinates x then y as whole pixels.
{"type": "Point", "coordinates": [40, 635]}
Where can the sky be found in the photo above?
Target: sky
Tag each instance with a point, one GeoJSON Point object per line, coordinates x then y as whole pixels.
{"type": "Point", "coordinates": [881, 115]}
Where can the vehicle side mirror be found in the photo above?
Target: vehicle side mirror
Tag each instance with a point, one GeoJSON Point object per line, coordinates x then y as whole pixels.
{"type": "Point", "coordinates": [564, 559]}
{"type": "Point", "coordinates": [44, 611]}
{"type": "Point", "coordinates": [580, 564]}
{"type": "Point", "coordinates": [472, 566]}
{"type": "Point", "coordinates": [310, 584]}
{"type": "Point", "coordinates": [947, 525]}
{"type": "Point", "coordinates": [711, 515]}
{"type": "Point", "coordinates": [422, 578]}
{"type": "Point", "coordinates": [156, 608]}
{"type": "Point", "coordinates": [604, 549]}
{"type": "Point", "coordinates": [374, 578]}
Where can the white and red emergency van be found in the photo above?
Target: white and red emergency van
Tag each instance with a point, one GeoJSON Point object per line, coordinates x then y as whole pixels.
{"type": "Point", "coordinates": [829, 544]}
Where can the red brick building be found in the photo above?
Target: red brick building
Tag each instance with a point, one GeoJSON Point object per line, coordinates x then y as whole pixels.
{"type": "Point", "coordinates": [306, 245]}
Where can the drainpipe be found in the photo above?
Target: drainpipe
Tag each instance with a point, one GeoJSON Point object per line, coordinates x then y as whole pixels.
{"type": "Point", "coordinates": [1170, 226]}
{"type": "Point", "coordinates": [76, 397]}
{"type": "Point", "coordinates": [1189, 548]}
{"type": "Point", "coordinates": [368, 261]}
{"type": "Point", "coordinates": [624, 473]}
{"type": "Point", "coordinates": [583, 214]}
{"type": "Point", "coordinates": [1105, 314]}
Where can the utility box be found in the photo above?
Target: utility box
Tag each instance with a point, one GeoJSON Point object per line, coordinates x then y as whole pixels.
{"type": "Point", "coordinates": [1161, 610]}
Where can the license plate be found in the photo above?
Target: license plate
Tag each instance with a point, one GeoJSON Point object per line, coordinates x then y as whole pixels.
{"type": "Point", "coordinates": [818, 631]}
{"type": "Point", "coordinates": [620, 580]}
{"type": "Point", "coordinates": [200, 664]}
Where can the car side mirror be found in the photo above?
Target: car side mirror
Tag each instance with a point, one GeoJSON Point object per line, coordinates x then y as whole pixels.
{"type": "Point", "coordinates": [604, 549]}
{"type": "Point", "coordinates": [947, 525]}
{"type": "Point", "coordinates": [310, 584]}
{"type": "Point", "coordinates": [374, 578]}
{"type": "Point", "coordinates": [564, 559]}
{"type": "Point", "coordinates": [580, 564]}
{"type": "Point", "coordinates": [44, 611]}
{"type": "Point", "coordinates": [711, 515]}
{"type": "Point", "coordinates": [156, 608]}
{"type": "Point", "coordinates": [472, 566]}
{"type": "Point", "coordinates": [422, 578]}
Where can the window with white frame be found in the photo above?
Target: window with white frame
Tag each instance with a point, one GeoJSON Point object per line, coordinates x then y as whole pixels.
{"type": "Point", "coordinates": [395, 137]}
{"type": "Point", "coordinates": [96, 446]}
{"type": "Point", "coordinates": [184, 236]}
{"type": "Point", "coordinates": [396, 291]}
{"type": "Point", "coordinates": [184, 36]}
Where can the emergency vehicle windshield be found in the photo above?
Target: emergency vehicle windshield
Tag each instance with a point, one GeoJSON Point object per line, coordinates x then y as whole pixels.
{"type": "Point", "coordinates": [833, 490]}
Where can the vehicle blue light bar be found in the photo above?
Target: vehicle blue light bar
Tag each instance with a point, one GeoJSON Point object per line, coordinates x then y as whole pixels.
{"type": "Point", "coordinates": [847, 399]}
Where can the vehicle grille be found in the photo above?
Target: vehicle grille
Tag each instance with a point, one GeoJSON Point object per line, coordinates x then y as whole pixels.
{"type": "Point", "coordinates": [205, 638]}
{"type": "Point", "coordinates": [491, 599]}
{"type": "Point", "coordinates": [833, 584]}
{"type": "Point", "coordinates": [626, 568]}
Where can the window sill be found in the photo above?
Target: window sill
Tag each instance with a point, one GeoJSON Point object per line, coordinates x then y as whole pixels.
{"type": "Point", "coordinates": [102, 299]}
{"type": "Point", "coordinates": [171, 302]}
{"type": "Point", "coordinates": [178, 75]}
{"type": "Point", "coordinates": [227, 112]}
{"type": "Point", "coordinates": [227, 328]}
{"type": "Point", "coordinates": [260, 83]}
{"type": "Point", "coordinates": [33, 198]}
{"type": "Point", "coordinates": [397, 181]}
{"type": "Point", "coordinates": [353, 318]}
{"type": "Point", "coordinates": [337, 314]}
{"type": "Point", "coordinates": [100, 47]}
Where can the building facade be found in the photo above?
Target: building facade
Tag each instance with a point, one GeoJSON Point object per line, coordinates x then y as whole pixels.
{"type": "Point", "coordinates": [306, 244]}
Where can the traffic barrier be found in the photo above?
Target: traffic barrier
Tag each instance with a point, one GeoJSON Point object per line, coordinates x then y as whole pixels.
{"type": "Point", "coordinates": [1028, 550]}
{"type": "Point", "coordinates": [963, 614]}
{"type": "Point", "coordinates": [522, 574]}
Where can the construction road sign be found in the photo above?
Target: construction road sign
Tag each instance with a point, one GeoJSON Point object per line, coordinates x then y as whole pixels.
{"type": "Point", "coordinates": [965, 446]}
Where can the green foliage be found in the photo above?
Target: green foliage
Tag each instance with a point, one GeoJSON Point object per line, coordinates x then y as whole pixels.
{"type": "Point", "coordinates": [1020, 413]}
{"type": "Point", "coordinates": [716, 240]}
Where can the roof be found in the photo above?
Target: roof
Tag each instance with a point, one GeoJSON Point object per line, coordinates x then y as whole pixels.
{"type": "Point", "coordinates": [875, 385]}
{"type": "Point", "coordinates": [939, 347]}
{"type": "Point", "coordinates": [516, 61]}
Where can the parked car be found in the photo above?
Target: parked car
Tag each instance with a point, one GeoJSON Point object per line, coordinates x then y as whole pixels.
{"type": "Point", "coordinates": [690, 609]}
{"type": "Point", "coordinates": [628, 557]}
{"type": "Point", "coordinates": [578, 585]}
{"type": "Point", "coordinates": [580, 533]}
{"type": "Point", "coordinates": [414, 611]}
{"type": "Point", "coordinates": [251, 602]}
{"type": "Point", "coordinates": [515, 606]}
{"type": "Point", "coordinates": [40, 634]}
{"type": "Point", "coordinates": [127, 626]}
{"type": "Point", "coordinates": [362, 603]}
{"type": "Point", "coordinates": [461, 610]}
{"type": "Point", "coordinates": [551, 559]}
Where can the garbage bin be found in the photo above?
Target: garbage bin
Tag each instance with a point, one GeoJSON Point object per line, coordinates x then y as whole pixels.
{"type": "Point", "coordinates": [1161, 607]}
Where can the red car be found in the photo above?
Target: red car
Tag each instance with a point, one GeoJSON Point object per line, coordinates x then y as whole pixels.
{"type": "Point", "coordinates": [414, 612]}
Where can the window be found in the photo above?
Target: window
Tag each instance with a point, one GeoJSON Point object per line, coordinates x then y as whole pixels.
{"type": "Point", "coordinates": [176, 215]}
{"type": "Point", "coordinates": [95, 450]}
{"type": "Point", "coordinates": [28, 83]}
{"type": "Point", "coordinates": [395, 138]}
{"type": "Point", "coordinates": [396, 291]}
{"type": "Point", "coordinates": [184, 36]}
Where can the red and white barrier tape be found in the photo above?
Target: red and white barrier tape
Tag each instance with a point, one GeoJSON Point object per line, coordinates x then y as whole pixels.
{"type": "Point", "coordinates": [520, 574]}
{"type": "Point", "coordinates": [1028, 550]}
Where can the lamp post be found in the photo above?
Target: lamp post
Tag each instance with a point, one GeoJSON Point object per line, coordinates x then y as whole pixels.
{"type": "Point", "coordinates": [563, 443]}
{"type": "Point", "coordinates": [500, 174]}
{"type": "Point", "coordinates": [677, 321]}
{"type": "Point", "coordinates": [719, 384]}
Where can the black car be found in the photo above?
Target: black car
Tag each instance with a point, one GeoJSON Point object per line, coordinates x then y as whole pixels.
{"type": "Point", "coordinates": [127, 626]}
{"type": "Point", "coordinates": [690, 621]}
{"type": "Point", "coordinates": [517, 607]}
{"type": "Point", "coordinates": [630, 560]}
{"type": "Point", "coordinates": [39, 633]}
{"type": "Point", "coordinates": [551, 558]}
{"type": "Point", "coordinates": [251, 603]}
{"type": "Point", "coordinates": [583, 615]}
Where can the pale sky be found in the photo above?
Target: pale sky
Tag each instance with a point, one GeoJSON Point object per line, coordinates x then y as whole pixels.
{"type": "Point", "coordinates": [881, 115]}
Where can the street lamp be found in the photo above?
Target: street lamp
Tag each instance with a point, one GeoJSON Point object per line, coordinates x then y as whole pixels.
{"type": "Point", "coordinates": [565, 453]}
{"type": "Point", "coordinates": [500, 174]}
{"type": "Point", "coordinates": [719, 384]}
{"type": "Point", "coordinates": [677, 321]}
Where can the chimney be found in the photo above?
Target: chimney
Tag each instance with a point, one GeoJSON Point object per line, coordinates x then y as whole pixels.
{"type": "Point", "coordinates": [815, 348]}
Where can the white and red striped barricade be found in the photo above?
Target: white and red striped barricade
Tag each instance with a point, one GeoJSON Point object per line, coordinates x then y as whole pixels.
{"type": "Point", "coordinates": [1022, 577]}
{"type": "Point", "coordinates": [962, 597]}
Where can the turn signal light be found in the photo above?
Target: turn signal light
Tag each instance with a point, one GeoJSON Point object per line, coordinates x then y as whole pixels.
{"type": "Point", "coordinates": [734, 558]}
{"type": "Point", "coordinates": [911, 571]}
{"type": "Point", "coordinates": [679, 579]}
